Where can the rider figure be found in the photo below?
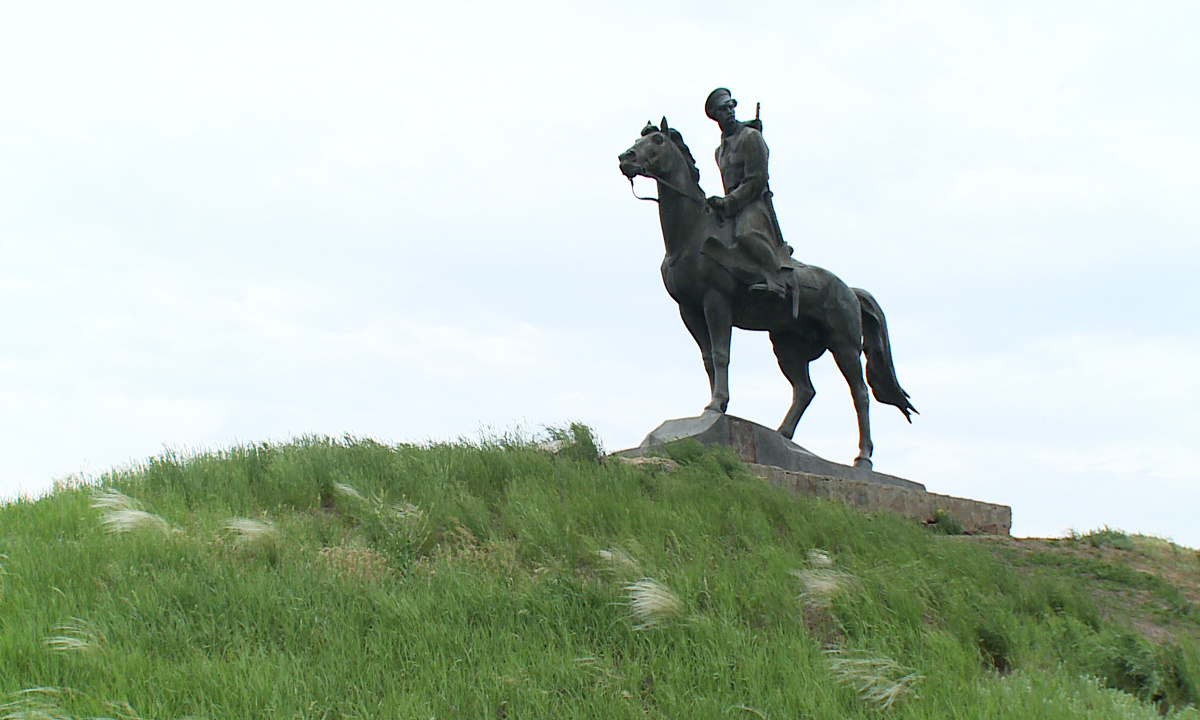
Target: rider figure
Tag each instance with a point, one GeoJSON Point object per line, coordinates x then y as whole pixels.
{"type": "Point", "coordinates": [742, 157]}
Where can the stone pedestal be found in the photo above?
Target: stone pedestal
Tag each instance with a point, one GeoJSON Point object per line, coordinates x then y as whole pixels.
{"type": "Point", "coordinates": [760, 445]}
{"type": "Point", "coordinates": [785, 464]}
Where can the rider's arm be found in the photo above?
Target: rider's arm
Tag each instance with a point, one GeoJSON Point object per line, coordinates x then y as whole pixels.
{"type": "Point", "coordinates": [753, 154]}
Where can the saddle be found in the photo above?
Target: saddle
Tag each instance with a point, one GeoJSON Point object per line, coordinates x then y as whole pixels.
{"type": "Point", "coordinates": [721, 247]}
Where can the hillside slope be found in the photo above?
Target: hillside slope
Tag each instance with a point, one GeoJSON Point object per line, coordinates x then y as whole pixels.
{"type": "Point", "coordinates": [351, 579]}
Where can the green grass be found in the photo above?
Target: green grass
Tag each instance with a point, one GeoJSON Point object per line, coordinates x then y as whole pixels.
{"type": "Point", "coordinates": [351, 579]}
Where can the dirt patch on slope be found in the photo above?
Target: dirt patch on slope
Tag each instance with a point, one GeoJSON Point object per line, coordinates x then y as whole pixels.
{"type": "Point", "coordinates": [1148, 584]}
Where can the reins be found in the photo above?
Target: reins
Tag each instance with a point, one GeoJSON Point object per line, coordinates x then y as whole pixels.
{"type": "Point", "coordinates": [633, 190]}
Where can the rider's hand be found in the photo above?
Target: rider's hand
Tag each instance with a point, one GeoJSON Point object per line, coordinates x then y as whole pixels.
{"type": "Point", "coordinates": [717, 203]}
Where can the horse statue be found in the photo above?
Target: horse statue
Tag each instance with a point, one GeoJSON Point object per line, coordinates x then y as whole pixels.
{"type": "Point", "coordinates": [702, 274]}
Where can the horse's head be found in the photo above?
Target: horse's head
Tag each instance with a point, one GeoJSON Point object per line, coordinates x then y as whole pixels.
{"type": "Point", "coordinates": [660, 154]}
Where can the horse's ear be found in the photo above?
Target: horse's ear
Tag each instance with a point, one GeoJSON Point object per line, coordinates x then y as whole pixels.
{"type": "Point", "coordinates": [663, 126]}
{"type": "Point", "coordinates": [649, 129]}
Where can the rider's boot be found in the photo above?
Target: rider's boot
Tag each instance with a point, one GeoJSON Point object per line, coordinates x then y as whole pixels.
{"type": "Point", "coordinates": [770, 286]}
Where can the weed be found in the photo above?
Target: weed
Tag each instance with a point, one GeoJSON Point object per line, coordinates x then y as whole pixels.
{"type": "Point", "coordinates": [575, 442]}
{"type": "Point", "coordinates": [1107, 537]}
{"type": "Point", "coordinates": [408, 512]}
{"type": "Point", "coordinates": [355, 561]}
{"type": "Point", "coordinates": [945, 524]}
{"type": "Point", "coordinates": [1154, 674]}
{"type": "Point", "coordinates": [995, 647]}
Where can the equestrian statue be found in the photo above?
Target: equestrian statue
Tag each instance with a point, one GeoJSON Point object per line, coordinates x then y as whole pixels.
{"type": "Point", "coordinates": [727, 266]}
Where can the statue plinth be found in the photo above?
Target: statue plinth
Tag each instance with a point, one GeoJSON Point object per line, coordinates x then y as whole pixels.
{"type": "Point", "coordinates": [760, 445]}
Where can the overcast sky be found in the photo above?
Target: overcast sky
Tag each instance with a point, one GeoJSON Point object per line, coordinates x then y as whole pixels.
{"type": "Point", "coordinates": [239, 222]}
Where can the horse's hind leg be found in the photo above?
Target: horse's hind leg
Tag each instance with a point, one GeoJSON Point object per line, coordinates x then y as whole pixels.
{"type": "Point", "coordinates": [848, 358]}
{"type": "Point", "coordinates": [793, 359]}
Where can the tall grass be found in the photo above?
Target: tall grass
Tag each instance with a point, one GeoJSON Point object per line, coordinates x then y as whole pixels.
{"type": "Point", "coordinates": [503, 578]}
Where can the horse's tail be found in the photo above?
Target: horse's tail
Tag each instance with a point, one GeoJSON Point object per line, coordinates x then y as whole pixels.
{"type": "Point", "coordinates": [881, 374]}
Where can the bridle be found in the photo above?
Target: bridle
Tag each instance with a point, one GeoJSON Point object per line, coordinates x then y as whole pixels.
{"type": "Point", "coordinates": [669, 186]}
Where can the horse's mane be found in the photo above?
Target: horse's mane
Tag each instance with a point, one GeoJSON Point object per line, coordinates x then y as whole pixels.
{"type": "Point", "coordinates": [687, 154]}
{"type": "Point", "coordinates": [677, 138]}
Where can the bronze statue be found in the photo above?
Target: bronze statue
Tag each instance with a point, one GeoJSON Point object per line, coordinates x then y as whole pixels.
{"type": "Point", "coordinates": [707, 271]}
{"type": "Point", "coordinates": [742, 158]}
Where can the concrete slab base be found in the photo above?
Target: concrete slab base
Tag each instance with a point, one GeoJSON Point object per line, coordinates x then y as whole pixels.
{"type": "Point", "coordinates": [975, 517]}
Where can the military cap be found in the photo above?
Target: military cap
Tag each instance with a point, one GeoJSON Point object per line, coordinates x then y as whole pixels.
{"type": "Point", "coordinates": [715, 98]}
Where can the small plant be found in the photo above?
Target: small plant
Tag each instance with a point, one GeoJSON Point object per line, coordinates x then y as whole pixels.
{"type": "Point", "coordinates": [1108, 537]}
{"type": "Point", "coordinates": [355, 561]}
{"type": "Point", "coordinates": [75, 636]}
{"type": "Point", "coordinates": [120, 513]}
{"type": "Point", "coordinates": [995, 648]}
{"type": "Point", "coordinates": [945, 524]}
{"type": "Point", "coordinates": [652, 604]}
{"type": "Point", "coordinates": [879, 681]}
{"type": "Point", "coordinates": [575, 442]}
{"type": "Point", "coordinates": [408, 512]}
{"type": "Point", "coordinates": [1154, 674]}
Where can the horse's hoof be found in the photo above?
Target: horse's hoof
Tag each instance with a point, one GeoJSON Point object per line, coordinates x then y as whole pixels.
{"type": "Point", "coordinates": [864, 463]}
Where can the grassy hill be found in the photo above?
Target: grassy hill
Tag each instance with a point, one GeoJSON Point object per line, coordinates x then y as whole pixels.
{"type": "Point", "coordinates": [350, 579]}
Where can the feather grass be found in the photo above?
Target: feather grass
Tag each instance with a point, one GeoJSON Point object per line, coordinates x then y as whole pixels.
{"type": "Point", "coordinates": [819, 558]}
{"type": "Point", "coordinates": [348, 491]}
{"type": "Point", "coordinates": [75, 636]}
{"type": "Point", "coordinates": [652, 604]}
{"type": "Point", "coordinates": [821, 586]}
{"type": "Point", "coordinates": [249, 532]}
{"type": "Point", "coordinates": [121, 514]}
{"type": "Point", "coordinates": [35, 703]}
{"type": "Point", "coordinates": [619, 562]}
{"type": "Point", "coordinates": [879, 681]}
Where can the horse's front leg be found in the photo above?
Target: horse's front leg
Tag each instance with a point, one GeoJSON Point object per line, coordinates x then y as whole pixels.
{"type": "Point", "coordinates": [693, 319]}
{"type": "Point", "coordinates": [718, 317]}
